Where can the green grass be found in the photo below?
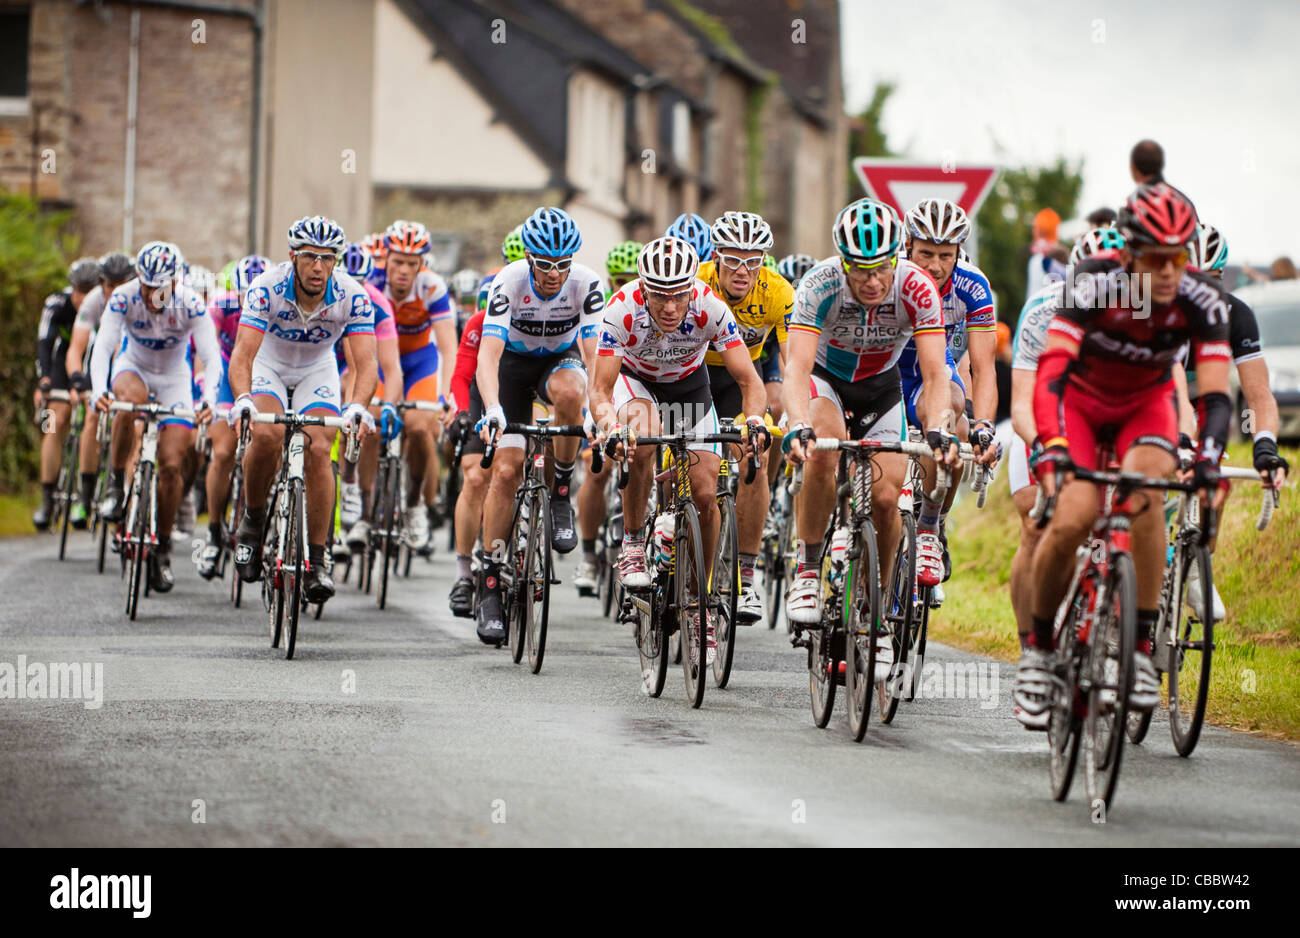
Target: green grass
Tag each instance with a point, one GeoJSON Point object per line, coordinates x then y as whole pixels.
{"type": "Point", "coordinates": [16, 512]}
{"type": "Point", "coordinates": [1256, 669]}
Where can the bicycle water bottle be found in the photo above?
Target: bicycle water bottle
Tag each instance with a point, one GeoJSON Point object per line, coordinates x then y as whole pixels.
{"type": "Point", "coordinates": [663, 549]}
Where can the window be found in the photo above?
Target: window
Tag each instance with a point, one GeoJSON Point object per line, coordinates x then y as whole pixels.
{"type": "Point", "coordinates": [15, 25]}
{"type": "Point", "coordinates": [682, 133]}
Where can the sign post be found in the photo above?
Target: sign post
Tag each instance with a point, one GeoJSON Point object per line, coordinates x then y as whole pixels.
{"type": "Point", "coordinates": [902, 183]}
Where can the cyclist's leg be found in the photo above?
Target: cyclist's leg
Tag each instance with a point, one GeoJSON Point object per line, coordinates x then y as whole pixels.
{"type": "Point", "coordinates": [816, 500]}
{"type": "Point", "coordinates": [591, 506]}
{"type": "Point", "coordinates": [317, 394]}
{"type": "Point", "coordinates": [566, 391]}
{"type": "Point", "coordinates": [1146, 443]}
{"type": "Point", "coordinates": [262, 455]}
{"type": "Point", "coordinates": [890, 471]}
{"type": "Point", "coordinates": [1023, 493]}
{"type": "Point", "coordinates": [420, 378]}
{"type": "Point", "coordinates": [128, 387]}
{"type": "Point", "coordinates": [637, 410]}
{"type": "Point", "coordinates": [88, 458]}
{"type": "Point", "coordinates": [704, 472]}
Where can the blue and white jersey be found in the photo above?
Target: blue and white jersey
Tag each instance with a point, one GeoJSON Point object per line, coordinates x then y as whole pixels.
{"type": "Point", "coordinates": [967, 307]}
{"type": "Point", "coordinates": [1031, 331]}
{"type": "Point", "coordinates": [154, 342]}
{"type": "Point", "coordinates": [294, 340]}
{"type": "Point", "coordinates": [530, 325]}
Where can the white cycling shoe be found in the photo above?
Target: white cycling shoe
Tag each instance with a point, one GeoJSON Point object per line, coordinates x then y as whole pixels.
{"type": "Point", "coordinates": [349, 503]}
{"type": "Point", "coordinates": [749, 606]}
{"type": "Point", "coordinates": [803, 605]}
{"type": "Point", "coordinates": [1193, 596]}
{"type": "Point", "coordinates": [416, 521]}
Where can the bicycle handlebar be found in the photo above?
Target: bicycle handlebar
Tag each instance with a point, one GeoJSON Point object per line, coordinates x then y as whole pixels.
{"type": "Point", "coordinates": [297, 421]}
{"type": "Point", "coordinates": [532, 429]}
{"type": "Point", "coordinates": [152, 410]}
{"type": "Point", "coordinates": [907, 447]}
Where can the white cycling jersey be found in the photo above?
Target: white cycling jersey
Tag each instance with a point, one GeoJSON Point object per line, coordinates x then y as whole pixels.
{"type": "Point", "coordinates": [530, 325]}
{"type": "Point", "coordinates": [1031, 331]}
{"type": "Point", "coordinates": [293, 340]}
{"type": "Point", "coordinates": [630, 332]}
{"type": "Point", "coordinates": [154, 344]}
{"type": "Point", "coordinates": [91, 310]}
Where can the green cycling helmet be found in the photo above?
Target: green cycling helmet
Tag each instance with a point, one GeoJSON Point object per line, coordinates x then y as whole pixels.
{"type": "Point", "coordinates": [770, 263]}
{"type": "Point", "coordinates": [512, 248]}
{"type": "Point", "coordinates": [621, 258]}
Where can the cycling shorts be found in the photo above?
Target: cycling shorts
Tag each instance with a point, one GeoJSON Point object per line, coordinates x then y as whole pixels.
{"type": "Point", "coordinates": [682, 406]}
{"type": "Point", "coordinates": [314, 387]}
{"type": "Point", "coordinates": [727, 399]}
{"type": "Point", "coordinates": [168, 389]}
{"type": "Point", "coordinates": [912, 387]}
{"type": "Point", "coordinates": [1146, 419]}
{"type": "Point", "coordinates": [521, 377]}
{"type": "Point", "coordinates": [420, 374]}
{"type": "Point", "coordinates": [224, 394]}
{"type": "Point", "coordinates": [769, 362]}
{"type": "Point", "coordinates": [1018, 474]}
{"type": "Point", "coordinates": [871, 409]}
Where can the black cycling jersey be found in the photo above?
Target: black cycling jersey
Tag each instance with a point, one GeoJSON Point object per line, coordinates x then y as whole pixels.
{"type": "Point", "coordinates": [1243, 338]}
{"type": "Point", "coordinates": [57, 319]}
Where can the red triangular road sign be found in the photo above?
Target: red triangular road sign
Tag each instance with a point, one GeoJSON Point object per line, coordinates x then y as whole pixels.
{"type": "Point", "coordinates": [902, 183]}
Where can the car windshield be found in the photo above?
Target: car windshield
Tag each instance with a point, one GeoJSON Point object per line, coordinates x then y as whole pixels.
{"type": "Point", "coordinates": [1279, 323]}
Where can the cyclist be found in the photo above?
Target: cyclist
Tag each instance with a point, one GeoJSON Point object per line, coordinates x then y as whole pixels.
{"type": "Point", "coordinates": [852, 317]}
{"type": "Point", "coordinates": [225, 312]}
{"type": "Point", "coordinates": [760, 300]}
{"type": "Point", "coordinates": [1209, 254]}
{"type": "Point", "coordinates": [695, 231]}
{"type": "Point", "coordinates": [620, 266]}
{"type": "Point", "coordinates": [649, 373]}
{"type": "Point", "coordinates": [426, 337]}
{"type": "Point", "coordinates": [1106, 369]}
{"type": "Point", "coordinates": [936, 230]}
{"type": "Point", "coordinates": [356, 494]}
{"type": "Point", "coordinates": [474, 478]}
{"type": "Point", "coordinates": [115, 269]}
{"type": "Point", "coordinates": [793, 266]}
{"type": "Point", "coordinates": [464, 289]}
{"type": "Point", "coordinates": [1030, 340]}
{"type": "Point", "coordinates": [55, 337]}
{"type": "Point", "coordinates": [153, 318]}
{"type": "Point", "coordinates": [293, 315]}
{"type": "Point", "coordinates": [538, 334]}
{"type": "Point", "coordinates": [377, 246]}
{"type": "Point", "coordinates": [512, 249]}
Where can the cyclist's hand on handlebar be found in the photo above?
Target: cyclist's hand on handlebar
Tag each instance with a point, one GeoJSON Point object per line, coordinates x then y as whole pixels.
{"type": "Point", "coordinates": [390, 422]}
{"type": "Point", "coordinates": [103, 402]}
{"type": "Point", "coordinates": [944, 447]}
{"type": "Point", "coordinates": [204, 415]}
{"type": "Point", "coordinates": [796, 444]}
{"type": "Point", "coordinates": [1052, 466]}
{"type": "Point", "coordinates": [1270, 464]}
{"type": "Point", "coordinates": [589, 427]}
{"type": "Point", "coordinates": [357, 415]}
{"type": "Point", "coordinates": [982, 442]}
{"type": "Point", "coordinates": [1212, 489]}
{"type": "Point", "coordinates": [244, 405]}
{"type": "Point", "coordinates": [492, 424]}
{"type": "Point", "coordinates": [757, 436]}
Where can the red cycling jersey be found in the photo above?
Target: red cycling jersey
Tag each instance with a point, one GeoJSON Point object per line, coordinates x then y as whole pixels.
{"type": "Point", "coordinates": [467, 360]}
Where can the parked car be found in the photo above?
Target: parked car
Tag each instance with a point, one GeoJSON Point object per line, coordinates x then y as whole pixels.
{"type": "Point", "coordinates": [1277, 308]}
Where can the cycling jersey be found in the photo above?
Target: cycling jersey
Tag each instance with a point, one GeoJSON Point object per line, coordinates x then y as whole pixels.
{"type": "Point", "coordinates": [224, 313]}
{"type": "Point", "coordinates": [761, 311]}
{"type": "Point", "coordinates": [1243, 340]}
{"type": "Point", "coordinates": [967, 307]}
{"type": "Point", "coordinates": [385, 327]}
{"type": "Point", "coordinates": [1031, 331]}
{"type": "Point", "coordinates": [425, 303]}
{"type": "Point", "coordinates": [647, 353]}
{"type": "Point", "coordinates": [856, 342]}
{"type": "Point", "coordinates": [154, 345]}
{"type": "Point", "coordinates": [292, 339]}
{"type": "Point", "coordinates": [92, 309]}
{"type": "Point", "coordinates": [485, 288]}
{"type": "Point", "coordinates": [531, 325]}
{"type": "Point", "coordinates": [57, 319]}
{"type": "Point", "coordinates": [467, 360]}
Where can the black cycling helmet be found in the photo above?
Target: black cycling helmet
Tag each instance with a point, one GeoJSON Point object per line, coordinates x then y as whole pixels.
{"type": "Point", "coordinates": [84, 274]}
{"type": "Point", "coordinates": [116, 267]}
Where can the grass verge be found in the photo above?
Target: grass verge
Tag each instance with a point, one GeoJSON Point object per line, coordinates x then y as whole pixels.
{"type": "Point", "coordinates": [16, 512]}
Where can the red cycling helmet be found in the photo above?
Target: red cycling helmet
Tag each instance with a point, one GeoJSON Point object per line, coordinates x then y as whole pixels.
{"type": "Point", "coordinates": [1157, 215]}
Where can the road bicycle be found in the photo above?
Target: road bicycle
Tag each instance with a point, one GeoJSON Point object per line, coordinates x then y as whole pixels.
{"type": "Point", "coordinates": [1183, 645]}
{"type": "Point", "coordinates": [65, 489]}
{"type": "Point", "coordinates": [235, 512]}
{"type": "Point", "coordinates": [779, 554]}
{"type": "Point", "coordinates": [526, 570]}
{"type": "Point", "coordinates": [98, 526]}
{"type": "Point", "coordinates": [724, 579]}
{"type": "Point", "coordinates": [285, 537]}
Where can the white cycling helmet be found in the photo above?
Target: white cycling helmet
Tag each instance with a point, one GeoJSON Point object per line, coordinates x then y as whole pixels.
{"type": "Point", "coordinates": [1096, 241]}
{"type": "Point", "coordinates": [741, 231]}
{"type": "Point", "coordinates": [1209, 248]}
{"type": "Point", "coordinates": [465, 281]}
{"type": "Point", "coordinates": [938, 220]}
{"type": "Point", "coordinates": [667, 264]}
{"type": "Point", "coordinates": [316, 231]}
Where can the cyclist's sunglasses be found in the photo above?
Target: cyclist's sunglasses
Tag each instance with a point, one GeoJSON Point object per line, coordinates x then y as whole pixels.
{"type": "Point", "coordinates": [541, 265]}
{"type": "Point", "coordinates": [735, 261]}
{"type": "Point", "coordinates": [869, 269]}
{"type": "Point", "coordinates": [1158, 259]}
{"type": "Point", "coordinates": [311, 257]}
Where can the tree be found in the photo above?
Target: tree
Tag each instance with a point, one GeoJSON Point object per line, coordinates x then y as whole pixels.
{"type": "Point", "coordinates": [868, 137]}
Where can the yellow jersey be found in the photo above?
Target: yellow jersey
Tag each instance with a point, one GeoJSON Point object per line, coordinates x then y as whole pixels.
{"type": "Point", "coordinates": [764, 308]}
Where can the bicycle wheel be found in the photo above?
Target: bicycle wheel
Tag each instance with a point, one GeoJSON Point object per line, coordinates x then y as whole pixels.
{"type": "Point", "coordinates": [862, 628]}
{"type": "Point", "coordinates": [1191, 654]}
{"type": "Point", "coordinates": [102, 534]}
{"type": "Point", "coordinates": [724, 589]}
{"type": "Point", "coordinates": [1065, 722]}
{"type": "Point", "coordinates": [234, 514]}
{"type": "Point", "coordinates": [691, 592]}
{"type": "Point", "coordinates": [67, 490]}
{"type": "Point", "coordinates": [272, 594]}
{"type": "Point", "coordinates": [1172, 582]}
{"type": "Point", "coordinates": [513, 603]}
{"type": "Point", "coordinates": [453, 493]}
{"type": "Point", "coordinates": [137, 538]}
{"type": "Point", "coordinates": [900, 620]}
{"type": "Point", "coordinates": [292, 566]}
{"type": "Point", "coordinates": [1110, 680]}
{"type": "Point", "coordinates": [537, 584]}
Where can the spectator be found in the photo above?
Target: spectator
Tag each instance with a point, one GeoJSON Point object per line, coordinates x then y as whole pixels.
{"type": "Point", "coordinates": [1041, 264]}
{"type": "Point", "coordinates": [1102, 218]}
{"type": "Point", "coordinates": [1283, 269]}
{"type": "Point", "coordinates": [1147, 162]}
{"type": "Point", "coordinates": [1002, 372]}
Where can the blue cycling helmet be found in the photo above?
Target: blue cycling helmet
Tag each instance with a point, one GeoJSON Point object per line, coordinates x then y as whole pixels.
{"type": "Point", "coordinates": [158, 263]}
{"type": "Point", "coordinates": [694, 230]}
{"type": "Point", "coordinates": [550, 232]}
{"type": "Point", "coordinates": [867, 231]}
{"type": "Point", "coordinates": [357, 261]}
{"type": "Point", "coordinates": [1096, 241]}
{"type": "Point", "coordinates": [316, 231]}
{"type": "Point", "coordinates": [247, 269]}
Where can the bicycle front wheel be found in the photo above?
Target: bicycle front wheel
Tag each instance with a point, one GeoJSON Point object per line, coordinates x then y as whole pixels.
{"type": "Point", "coordinates": [1064, 724]}
{"type": "Point", "coordinates": [137, 536]}
{"type": "Point", "coordinates": [901, 621]}
{"type": "Point", "coordinates": [536, 587]}
{"type": "Point", "coordinates": [292, 566]}
{"type": "Point", "coordinates": [862, 626]}
{"type": "Point", "coordinates": [724, 587]}
{"type": "Point", "coordinates": [67, 491]}
{"type": "Point", "coordinates": [692, 594]}
{"type": "Point", "coordinates": [1193, 648]}
{"type": "Point", "coordinates": [1110, 673]}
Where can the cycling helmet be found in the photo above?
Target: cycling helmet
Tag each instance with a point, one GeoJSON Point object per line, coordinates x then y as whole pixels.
{"type": "Point", "coordinates": [694, 230]}
{"type": "Point", "coordinates": [357, 261]}
{"type": "Point", "coordinates": [377, 247]}
{"type": "Point", "coordinates": [407, 237]}
{"type": "Point", "coordinates": [465, 281]}
{"type": "Point", "coordinates": [622, 258]}
{"type": "Point", "coordinates": [158, 263]}
{"type": "Point", "coordinates": [512, 248]}
{"type": "Point", "coordinates": [247, 269]}
{"type": "Point", "coordinates": [867, 231]}
{"type": "Point", "coordinates": [1097, 241]}
{"type": "Point", "coordinates": [741, 231]}
{"type": "Point", "coordinates": [84, 274]}
{"type": "Point", "coordinates": [793, 266]}
{"type": "Point", "coordinates": [116, 267]}
{"type": "Point", "coordinates": [550, 232]}
{"type": "Point", "coordinates": [938, 220]}
{"type": "Point", "coordinates": [769, 263]}
{"type": "Point", "coordinates": [1209, 248]}
{"type": "Point", "coordinates": [316, 231]}
{"type": "Point", "coordinates": [667, 264]}
{"type": "Point", "coordinates": [1157, 215]}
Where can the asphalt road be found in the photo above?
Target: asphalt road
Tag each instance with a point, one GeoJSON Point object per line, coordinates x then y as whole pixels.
{"type": "Point", "coordinates": [398, 728]}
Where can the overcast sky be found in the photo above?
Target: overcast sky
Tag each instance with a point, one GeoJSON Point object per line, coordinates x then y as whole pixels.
{"type": "Point", "coordinates": [1018, 83]}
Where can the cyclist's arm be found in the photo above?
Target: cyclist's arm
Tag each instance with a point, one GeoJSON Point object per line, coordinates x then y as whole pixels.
{"type": "Point", "coordinates": [45, 343]}
{"type": "Point", "coordinates": [360, 348]}
{"type": "Point", "coordinates": [239, 372]}
{"type": "Point", "coordinates": [489, 360]}
{"type": "Point", "coordinates": [600, 396]}
{"type": "Point", "coordinates": [1186, 414]}
{"type": "Point", "coordinates": [76, 357]}
{"type": "Point", "coordinates": [391, 362]}
{"type": "Point", "coordinates": [444, 334]}
{"type": "Point", "coordinates": [935, 384]}
{"type": "Point", "coordinates": [106, 341]}
{"type": "Point", "coordinates": [798, 372]}
{"type": "Point", "coordinates": [1260, 402]}
{"type": "Point", "coordinates": [208, 351]}
{"type": "Point", "coordinates": [1022, 403]}
{"type": "Point", "coordinates": [1063, 342]}
{"type": "Point", "coordinates": [740, 366]}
